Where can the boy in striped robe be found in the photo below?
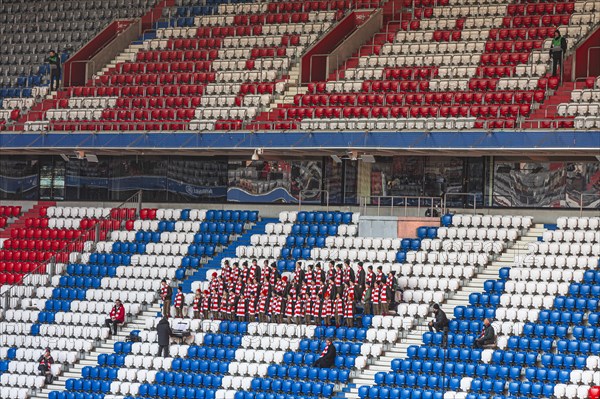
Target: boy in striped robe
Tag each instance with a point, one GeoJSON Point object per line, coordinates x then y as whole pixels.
{"type": "Point", "coordinates": [338, 309]}
{"type": "Point", "coordinates": [299, 309]}
{"type": "Point", "coordinates": [289, 309]}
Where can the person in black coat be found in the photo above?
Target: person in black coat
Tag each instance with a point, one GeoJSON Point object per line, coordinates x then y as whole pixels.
{"type": "Point", "coordinates": [327, 358]}
{"type": "Point", "coordinates": [163, 331]}
{"type": "Point", "coordinates": [487, 335]}
{"type": "Point", "coordinates": [441, 320]}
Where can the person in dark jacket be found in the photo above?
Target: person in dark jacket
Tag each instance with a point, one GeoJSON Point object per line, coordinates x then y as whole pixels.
{"type": "Point", "coordinates": [441, 320]}
{"type": "Point", "coordinates": [487, 335]}
{"type": "Point", "coordinates": [55, 68]}
{"type": "Point", "coordinates": [45, 363]}
{"type": "Point", "coordinates": [327, 358]}
{"type": "Point", "coordinates": [558, 47]}
{"type": "Point", "coordinates": [163, 331]}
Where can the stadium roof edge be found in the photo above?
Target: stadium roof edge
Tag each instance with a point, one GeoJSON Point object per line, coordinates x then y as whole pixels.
{"type": "Point", "coordinates": [568, 142]}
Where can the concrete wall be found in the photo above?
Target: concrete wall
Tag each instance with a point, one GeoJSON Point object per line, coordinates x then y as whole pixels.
{"type": "Point", "coordinates": [378, 226]}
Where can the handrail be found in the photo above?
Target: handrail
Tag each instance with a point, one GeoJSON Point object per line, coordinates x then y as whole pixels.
{"type": "Point", "coordinates": [50, 266]}
{"type": "Point", "coordinates": [364, 202]}
{"type": "Point", "coordinates": [581, 207]}
{"type": "Point", "coordinates": [314, 191]}
{"type": "Point", "coordinates": [446, 195]}
{"type": "Point", "coordinates": [588, 58]}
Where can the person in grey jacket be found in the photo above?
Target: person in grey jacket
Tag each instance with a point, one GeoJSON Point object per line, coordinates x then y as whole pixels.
{"type": "Point", "coordinates": [487, 335]}
{"type": "Point", "coordinates": [163, 331]}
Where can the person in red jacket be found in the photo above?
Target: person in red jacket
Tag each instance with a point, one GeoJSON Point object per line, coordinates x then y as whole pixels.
{"type": "Point", "coordinates": [117, 316]}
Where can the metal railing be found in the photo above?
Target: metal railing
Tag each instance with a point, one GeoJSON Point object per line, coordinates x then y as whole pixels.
{"type": "Point", "coordinates": [301, 195]}
{"type": "Point", "coordinates": [581, 207]}
{"type": "Point", "coordinates": [380, 201]}
{"type": "Point", "coordinates": [99, 229]}
{"type": "Point", "coordinates": [445, 207]}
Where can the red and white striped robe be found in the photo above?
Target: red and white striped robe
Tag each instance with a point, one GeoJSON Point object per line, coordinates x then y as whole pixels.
{"type": "Point", "coordinates": [316, 306]}
{"type": "Point", "coordinates": [226, 273]}
{"type": "Point", "coordinates": [262, 303]}
{"type": "Point", "coordinates": [225, 306]}
{"type": "Point", "coordinates": [308, 277]}
{"type": "Point", "coordinates": [337, 280]}
{"type": "Point", "coordinates": [369, 278]}
{"type": "Point", "coordinates": [205, 303]}
{"type": "Point", "coordinates": [251, 290]}
{"type": "Point", "coordinates": [346, 275]}
{"type": "Point", "coordinates": [179, 299]}
{"type": "Point", "coordinates": [338, 307]}
{"type": "Point", "coordinates": [214, 303]}
{"type": "Point", "coordinates": [299, 309]}
{"type": "Point", "coordinates": [275, 305]}
{"type": "Point", "coordinates": [197, 303]}
{"type": "Point", "coordinates": [349, 307]}
{"type": "Point", "coordinates": [383, 294]}
{"type": "Point", "coordinates": [289, 307]}
{"type": "Point", "coordinates": [304, 290]}
{"type": "Point", "coordinates": [280, 286]}
{"type": "Point", "coordinates": [251, 305]}
{"type": "Point", "coordinates": [375, 295]}
{"type": "Point", "coordinates": [240, 310]}
{"type": "Point", "coordinates": [235, 273]}
{"type": "Point", "coordinates": [326, 309]}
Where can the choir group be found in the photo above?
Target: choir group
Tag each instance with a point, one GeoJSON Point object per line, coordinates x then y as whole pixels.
{"type": "Point", "coordinates": [310, 295]}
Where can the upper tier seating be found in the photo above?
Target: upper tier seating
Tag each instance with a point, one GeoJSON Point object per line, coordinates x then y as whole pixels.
{"type": "Point", "coordinates": [451, 67]}
{"type": "Point", "coordinates": [584, 105]}
{"type": "Point", "coordinates": [29, 30]}
{"type": "Point", "coordinates": [208, 72]}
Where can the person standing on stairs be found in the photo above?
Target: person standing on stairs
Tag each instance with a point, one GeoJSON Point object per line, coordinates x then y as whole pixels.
{"type": "Point", "coordinates": [179, 301]}
{"type": "Point", "coordinates": [440, 324]}
{"type": "Point", "coordinates": [166, 294]}
{"type": "Point", "coordinates": [558, 47]}
{"type": "Point", "coordinates": [164, 333]}
{"type": "Point", "coordinates": [55, 68]}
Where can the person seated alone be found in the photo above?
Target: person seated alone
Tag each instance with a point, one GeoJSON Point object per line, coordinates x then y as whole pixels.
{"type": "Point", "coordinates": [116, 316]}
{"type": "Point", "coordinates": [327, 356]}
{"type": "Point", "coordinates": [487, 335]}
{"type": "Point", "coordinates": [45, 365]}
{"type": "Point", "coordinates": [441, 320]}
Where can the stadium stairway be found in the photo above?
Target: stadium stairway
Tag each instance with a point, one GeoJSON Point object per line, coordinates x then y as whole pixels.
{"type": "Point", "coordinates": [548, 110]}
{"type": "Point", "coordinates": [107, 347]}
{"type": "Point", "coordinates": [460, 298]}
{"type": "Point", "coordinates": [139, 322]}
{"type": "Point", "coordinates": [229, 252]}
{"type": "Point", "coordinates": [25, 214]}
